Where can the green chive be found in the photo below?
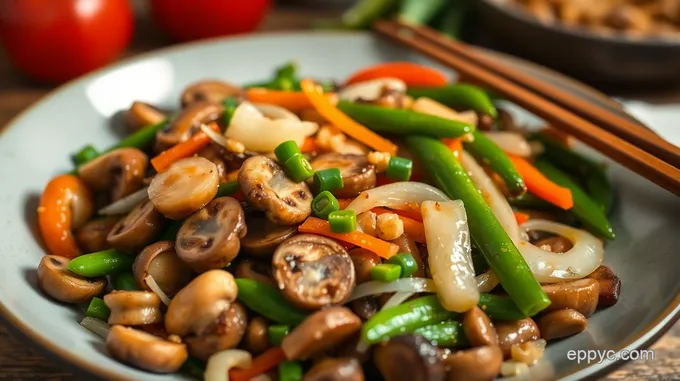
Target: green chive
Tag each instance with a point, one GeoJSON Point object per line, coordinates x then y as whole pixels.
{"type": "Point", "coordinates": [386, 272]}
{"type": "Point", "coordinates": [328, 179]}
{"type": "Point", "coordinates": [408, 264]}
{"type": "Point", "coordinates": [290, 371]}
{"type": "Point", "coordinates": [86, 154]}
{"type": "Point", "coordinates": [230, 105]}
{"type": "Point", "coordinates": [98, 309]}
{"type": "Point", "coordinates": [399, 168]}
{"type": "Point", "coordinates": [227, 189]}
{"type": "Point", "coordinates": [286, 150]}
{"type": "Point", "coordinates": [324, 204]}
{"type": "Point", "coordinates": [298, 168]}
{"type": "Point", "coordinates": [343, 221]}
{"type": "Point", "coordinates": [277, 333]}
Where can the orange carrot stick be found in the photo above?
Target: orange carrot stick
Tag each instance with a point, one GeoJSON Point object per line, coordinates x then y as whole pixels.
{"type": "Point", "coordinates": [455, 145]}
{"type": "Point", "coordinates": [413, 228]}
{"type": "Point", "coordinates": [261, 364]}
{"type": "Point", "coordinates": [344, 123]}
{"type": "Point", "coordinates": [521, 217]}
{"type": "Point", "coordinates": [343, 202]}
{"type": "Point", "coordinates": [309, 145]}
{"type": "Point", "coordinates": [318, 226]}
{"type": "Point", "coordinates": [295, 101]}
{"type": "Point", "coordinates": [182, 150]}
{"type": "Point", "coordinates": [541, 186]}
{"type": "Point", "coordinates": [412, 74]}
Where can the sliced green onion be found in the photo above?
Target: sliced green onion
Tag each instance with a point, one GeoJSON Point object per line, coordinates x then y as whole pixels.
{"type": "Point", "coordinates": [298, 168]}
{"type": "Point", "coordinates": [230, 105]}
{"type": "Point", "coordinates": [227, 189]}
{"type": "Point", "coordinates": [328, 179]}
{"type": "Point", "coordinates": [86, 154]}
{"type": "Point", "coordinates": [98, 309]}
{"type": "Point", "coordinates": [408, 264]}
{"type": "Point", "coordinates": [286, 150]}
{"type": "Point", "coordinates": [277, 333]}
{"type": "Point", "coordinates": [290, 371]}
{"type": "Point", "coordinates": [399, 168]}
{"type": "Point", "coordinates": [343, 221]}
{"type": "Point", "coordinates": [324, 204]}
{"type": "Point", "coordinates": [386, 272]}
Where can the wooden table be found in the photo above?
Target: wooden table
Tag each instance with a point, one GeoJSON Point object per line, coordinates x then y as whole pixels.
{"type": "Point", "coordinates": [19, 361]}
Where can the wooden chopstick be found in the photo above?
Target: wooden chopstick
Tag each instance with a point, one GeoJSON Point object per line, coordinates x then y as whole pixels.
{"type": "Point", "coordinates": [612, 122]}
{"type": "Point", "coordinates": [627, 154]}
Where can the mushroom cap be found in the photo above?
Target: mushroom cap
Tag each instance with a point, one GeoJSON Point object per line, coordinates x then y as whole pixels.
{"type": "Point", "coordinates": [357, 173]}
{"type": "Point", "coordinates": [57, 281]}
{"type": "Point", "coordinates": [133, 307]}
{"type": "Point", "coordinates": [364, 260]}
{"type": "Point", "coordinates": [610, 286]}
{"type": "Point", "coordinates": [335, 369]}
{"type": "Point", "coordinates": [211, 237]}
{"type": "Point", "coordinates": [478, 328]}
{"type": "Point", "coordinates": [409, 358]}
{"type": "Point", "coordinates": [120, 171]}
{"type": "Point", "coordinates": [197, 305]}
{"type": "Point", "coordinates": [476, 364]}
{"type": "Point", "coordinates": [142, 114]}
{"type": "Point", "coordinates": [161, 262]}
{"type": "Point", "coordinates": [516, 332]}
{"type": "Point", "coordinates": [255, 269]}
{"type": "Point", "coordinates": [224, 333]}
{"type": "Point", "coordinates": [561, 323]}
{"type": "Point", "coordinates": [187, 123]}
{"type": "Point", "coordinates": [136, 230]}
{"type": "Point", "coordinates": [256, 338]}
{"type": "Point", "coordinates": [212, 90]}
{"type": "Point", "coordinates": [581, 295]}
{"type": "Point", "coordinates": [91, 237]}
{"type": "Point", "coordinates": [145, 351]}
{"type": "Point", "coordinates": [264, 236]}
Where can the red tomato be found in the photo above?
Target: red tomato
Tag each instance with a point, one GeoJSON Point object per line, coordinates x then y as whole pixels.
{"type": "Point", "coordinates": [194, 19]}
{"type": "Point", "coordinates": [57, 40]}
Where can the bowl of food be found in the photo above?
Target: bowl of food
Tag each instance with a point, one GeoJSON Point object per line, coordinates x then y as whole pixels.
{"type": "Point", "coordinates": [605, 42]}
{"type": "Point", "coordinates": [336, 216]}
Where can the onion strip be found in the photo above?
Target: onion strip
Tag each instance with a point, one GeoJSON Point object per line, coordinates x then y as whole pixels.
{"type": "Point", "coordinates": [397, 299]}
{"type": "Point", "coordinates": [214, 135]}
{"type": "Point", "coordinates": [400, 285]}
{"type": "Point", "coordinates": [96, 326]}
{"type": "Point", "coordinates": [371, 90]}
{"type": "Point", "coordinates": [511, 142]}
{"type": "Point", "coordinates": [487, 281]}
{"type": "Point", "coordinates": [157, 289]}
{"type": "Point", "coordinates": [126, 204]}
{"type": "Point", "coordinates": [219, 364]}
{"type": "Point", "coordinates": [405, 195]}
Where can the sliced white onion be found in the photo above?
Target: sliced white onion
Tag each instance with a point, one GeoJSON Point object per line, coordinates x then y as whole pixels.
{"type": "Point", "coordinates": [512, 368]}
{"type": "Point", "coordinates": [487, 281]}
{"type": "Point", "coordinates": [126, 204]}
{"type": "Point", "coordinates": [498, 203]}
{"type": "Point", "coordinates": [276, 112]}
{"type": "Point", "coordinates": [400, 285]}
{"type": "Point", "coordinates": [371, 90]}
{"type": "Point", "coordinates": [157, 289]}
{"type": "Point", "coordinates": [406, 195]}
{"type": "Point", "coordinates": [510, 142]}
{"type": "Point", "coordinates": [397, 299]}
{"type": "Point", "coordinates": [578, 262]}
{"type": "Point", "coordinates": [260, 133]}
{"type": "Point", "coordinates": [96, 326]}
{"type": "Point", "coordinates": [214, 135]}
{"type": "Point", "coordinates": [219, 364]}
{"type": "Point", "coordinates": [449, 254]}
{"type": "Point", "coordinates": [429, 106]}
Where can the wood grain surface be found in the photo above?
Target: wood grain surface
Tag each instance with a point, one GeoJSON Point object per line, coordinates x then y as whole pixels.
{"type": "Point", "coordinates": [20, 361]}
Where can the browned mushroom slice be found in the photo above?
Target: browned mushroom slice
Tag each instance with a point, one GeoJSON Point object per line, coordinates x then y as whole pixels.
{"type": "Point", "coordinates": [581, 295]}
{"type": "Point", "coordinates": [92, 236]}
{"type": "Point", "coordinates": [145, 351]}
{"type": "Point", "coordinates": [320, 332]}
{"type": "Point", "coordinates": [365, 307]}
{"type": "Point", "coordinates": [137, 229]}
{"type": "Point", "coordinates": [358, 174]}
{"type": "Point", "coordinates": [133, 307]}
{"type": "Point", "coordinates": [255, 269]}
{"type": "Point", "coordinates": [335, 369]}
{"type": "Point", "coordinates": [120, 172]}
{"type": "Point", "coordinates": [187, 123]}
{"type": "Point", "coordinates": [409, 358]}
{"type": "Point", "coordinates": [211, 238]}
{"type": "Point", "coordinates": [478, 328]}
{"type": "Point", "coordinates": [516, 332]}
{"type": "Point", "coordinates": [313, 271]}
{"type": "Point", "coordinates": [142, 114]}
{"type": "Point", "coordinates": [213, 91]}
{"type": "Point", "coordinates": [477, 364]}
{"type": "Point", "coordinates": [267, 188]}
{"type": "Point", "coordinates": [256, 339]}
{"type": "Point", "coordinates": [364, 260]}
{"type": "Point", "coordinates": [225, 332]}
{"type": "Point", "coordinates": [610, 285]}
{"type": "Point", "coordinates": [57, 281]}
{"type": "Point", "coordinates": [561, 323]}
{"type": "Point", "coordinates": [263, 235]}
{"type": "Point", "coordinates": [161, 262]}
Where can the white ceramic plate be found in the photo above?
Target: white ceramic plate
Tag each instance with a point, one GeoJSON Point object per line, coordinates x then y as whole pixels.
{"type": "Point", "coordinates": [37, 145]}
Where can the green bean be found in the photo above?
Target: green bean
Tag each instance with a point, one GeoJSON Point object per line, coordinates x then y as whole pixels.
{"type": "Point", "coordinates": [420, 12]}
{"type": "Point", "coordinates": [404, 122]}
{"type": "Point", "coordinates": [530, 201]}
{"type": "Point", "coordinates": [227, 189]}
{"type": "Point", "coordinates": [488, 153]}
{"type": "Point", "coordinates": [364, 12]}
{"type": "Point", "coordinates": [86, 154]}
{"type": "Point", "coordinates": [460, 95]}
{"type": "Point", "coordinates": [268, 301]}
{"type": "Point", "coordinates": [142, 137]}
{"type": "Point", "coordinates": [498, 249]}
{"type": "Point", "coordinates": [124, 281]}
{"type": "Point", "coordinates": [500, 307]}
{"type": "Point", "coordinates": [447, 334]}
{"type": "Point", "coordinates": [101, 263]}
{"type": "Point", "coordinates": [98, 309]}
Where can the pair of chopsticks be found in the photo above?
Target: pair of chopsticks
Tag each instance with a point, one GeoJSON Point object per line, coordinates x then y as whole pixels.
{"type": "Point", "coordinates": [624, 141]}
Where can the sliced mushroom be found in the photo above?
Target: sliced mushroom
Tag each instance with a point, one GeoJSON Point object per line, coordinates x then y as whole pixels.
{"type": "Point", "coordinates": [210, 238]}
{"type": "Point", "coordinates": [256, 339]}
{"type": "Point", "coordinates": [187, 123]}
{"type": "Point", "coordinates": [365, 307]}
{"type": "Point", "coordinates": [556, 244]}
{"type": "Point", "coordinates": [136, 230]}
{"type": "Point", "coordinates": [213, 91]}
{"type": "Point", "coordinates": [610, 285]}
{"type": "Point", "coordinates": [120, 172]}
{"type": "Point", "coordinates": [161, 262]}
{"type": "Point", "coordinates": [476, 364]}
{"type": "Point", "coordinates": [145, 351]}
{"type": "Point", "coordinates": [478, 328]}
{"type": "Point", "coordinates": [133, 307]}
{"type": "Point", "coordinates": [364, 260]}
{"type": "Point", "coordinates": [267, 188]}
{"type": "Point", "coordinates": [409, 358]}
{"type": "Point", "coordinates": [581, 295]}
{"type": "Point", "coordinates": [225, 332]}
{"type": "Point", "coordinates": [92, 236]}
{"type": "Point", "coordinates": [185, 187]}
{"type": "Point", "coordinates": [211, 153]}
{"type": "Point", "coordinates": [319, 332]}
{"type": "Point", "coordinates": [142, 114]}
{"type": "Point", "coordinates": [313, 271]}
{"type": "Point", "coordinates": [263, 235]}
{"type": "Point", "coordinates": [57, 281]}
{"type": "Point", "coordinates": [357, 174]}
{"type": "Point", "coordinates": [335, 369]}
{"type": "Point", "coordinates": [561, 323]}
{"type": "Point", "coordinates": [254, 269]}
{"type": "Point", "coordinates": [516, 332]}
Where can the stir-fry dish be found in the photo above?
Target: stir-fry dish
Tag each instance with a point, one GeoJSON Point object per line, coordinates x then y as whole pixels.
{"type": "Point", "coordinates": [395, 226]}
{"type": "Point", "coordinates": [655, 18]}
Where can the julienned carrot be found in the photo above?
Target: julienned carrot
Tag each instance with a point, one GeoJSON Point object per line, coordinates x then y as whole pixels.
{"type": "Point", "coordinates": [261, 364]}
{"type": "Point", "coordinates": [182, 150]}
{"type": "Point", "coordinates": [412, 74]}
{"type": "Point", "coordinates": [521, 217]}
{"type": "Point", "coordinates": [309, 145]}
{"type": "Point", "coordinates": [541, 186]}
{"type": "Point", "coordinates": [55, 217]}
{"type": "Point", "coordinates": [343, 202]}
{"type": "Point", "coordinates": [344, 123]}
{"type": "Point", "coordinates": [455, 145]}
{"type": "Point", "coordinates": [294, 101]}
{"type": "Point", "coordinates": [413, 228]}
{"type": "Point", "coordinates": [318, 226]}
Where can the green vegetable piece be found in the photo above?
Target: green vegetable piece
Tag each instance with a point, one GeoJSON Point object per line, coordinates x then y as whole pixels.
{"type": "Point", "coordinates": [287, 71]}
{"type": "Point", "coordinates": [488, 153]}
{"type": "Point", "coordinates": [277, 333]}
{"type": "Point", "coordinates": [86, 154]}
{"type": "Point", "coordinates": [193, 367]}
{"type": "Point", "coordinates": [101, 263]}
{"type": "Point", "coordinates": [227, 189]}
{"type": "Point", "coordinates": [324, 204]}
{"type": "Point", "coordinates": [500, 307]}
{"type": "Point", "coordinates": [451, 21]}
{"type": "Point", "coordinates": [461, 95]}
{"type": "Point", "coordinates": [342, 221]}
{"type": "Point", "coordinates": [290, 371]}
{"type": "Point", "coordinates": [124, 281]}
{"type": "Point", "coordinates": [478, 261]}
{"type": "Point", "coordinates": [386, 272]}
{"type": "Point", "coordinates": [364, 12]}
{"type": "Point", "coordinates": [404, 122]}
{"type": "Point", "coordinates": [487, 233]}
{"type": "Point", "coordinates": [98, 309]}
{"type": "Point", "coordinates": [230, 104]}
{"type": "Point", "coordinates": [286, 150]}
{"type": "Point", "coordinates": [399, 168]}
{"type": "Point", "coordinates": [420, 12]}
{"type": "Point", "coordinates": [142, 137]}
{"type": "Point", "coordinates": [268, 301]}
{"type": "Point", "coordinates": [530, 201]}
{"type": "Point", "coordinates": [447, 334]}
{"type": "Point", "coordinates": [328, 179]}
{"type": "Point", "coordinates": [298, 168]}
{"type": "Point", "coordinates": [408, 264]}
{"type": "Point", "coordinates": [585, 209]}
